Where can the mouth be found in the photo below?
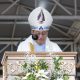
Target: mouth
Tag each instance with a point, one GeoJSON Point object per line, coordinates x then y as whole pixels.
{"type": "Point", "coordinates": [40, 39]}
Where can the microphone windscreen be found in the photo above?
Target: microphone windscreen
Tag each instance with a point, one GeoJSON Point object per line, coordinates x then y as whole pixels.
{"type": "Point", "coordinates": [34, 36]}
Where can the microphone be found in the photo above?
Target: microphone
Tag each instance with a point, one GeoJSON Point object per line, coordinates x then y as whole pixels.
{"type": "Point", "coordinates": [34, 37]}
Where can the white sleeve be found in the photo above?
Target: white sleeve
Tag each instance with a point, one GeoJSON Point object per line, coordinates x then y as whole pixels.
{"type": "Point", "coordinates": [20, 47]}
{"type": "Point", "coordinates": [57, 48]}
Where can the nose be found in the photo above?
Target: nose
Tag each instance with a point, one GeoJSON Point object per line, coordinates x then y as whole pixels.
{"type": "Point", "coordinates": [40, 36]}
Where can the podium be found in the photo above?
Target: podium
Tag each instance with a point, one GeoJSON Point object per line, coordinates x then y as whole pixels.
{"type": "Point", "coordinates": [12, 60]}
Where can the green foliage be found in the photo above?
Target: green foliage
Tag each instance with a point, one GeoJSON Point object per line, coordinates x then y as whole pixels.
{"type": "Point", "coordinates": [31, 77]}
{"type": "Point", "coordinates": [58, 72]}
{"type": "Point", "coordinates": [57, 63]}
{"type": "Point", "coordinates": [33, 68]}
{"type": "Point", "coordinates": [42, 65]}
{"type": "Point", "coordinates": [65, 77]}
{"type": "Point", "coordinates": [24, 65]}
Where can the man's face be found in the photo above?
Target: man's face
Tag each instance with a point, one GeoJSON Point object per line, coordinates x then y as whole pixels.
{"type": "Point", "coordinates": [41, 36]}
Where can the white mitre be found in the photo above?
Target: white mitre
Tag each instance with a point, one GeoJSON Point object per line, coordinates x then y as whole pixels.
{"type": "Point", "coordinates": [40, 19]}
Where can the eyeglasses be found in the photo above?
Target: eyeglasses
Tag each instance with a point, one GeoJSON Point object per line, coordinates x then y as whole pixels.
{"type": "Point", "coordinates": [41, 32]}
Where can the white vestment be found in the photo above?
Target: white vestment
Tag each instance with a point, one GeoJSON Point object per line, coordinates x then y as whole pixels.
{"type": "Point", "coordinates": [49, 45]}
